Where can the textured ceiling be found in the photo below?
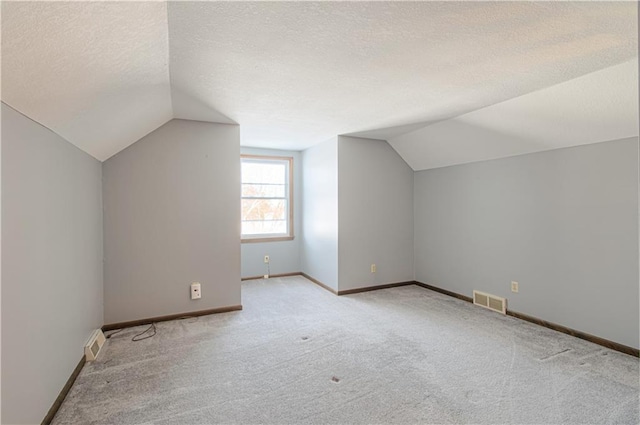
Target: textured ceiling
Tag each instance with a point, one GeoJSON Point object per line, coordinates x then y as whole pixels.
{"type": "Point", "coordinates": [96, 73]}
{"type": "Point", "coordinates": [293, 74]}
{"type": "Point", "coordinates": [596, 107]}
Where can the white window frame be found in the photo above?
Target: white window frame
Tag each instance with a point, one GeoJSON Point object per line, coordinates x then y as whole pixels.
{"type": "Point", "coordinates": [289, 198]}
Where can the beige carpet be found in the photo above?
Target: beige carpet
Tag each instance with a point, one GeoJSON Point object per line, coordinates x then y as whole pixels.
{"type": "Point", "coordinates": [298, 354]}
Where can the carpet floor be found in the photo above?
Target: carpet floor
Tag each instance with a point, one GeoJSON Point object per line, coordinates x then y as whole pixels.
{"type": "Point", "coordinates": [298, 354]}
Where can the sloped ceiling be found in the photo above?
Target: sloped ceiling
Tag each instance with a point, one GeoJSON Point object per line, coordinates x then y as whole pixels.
{"type": "Point", "coordinates": [596, 107]}
{"type": "Point", "coordinates": [293, 74]}
{"type": "Point", "coordinates": [96, 73]}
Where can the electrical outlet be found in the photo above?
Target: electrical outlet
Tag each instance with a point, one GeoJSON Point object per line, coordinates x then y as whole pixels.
{"type": "Point", "coordinates": [196, 292]}
{"type": "Point", "coordinates": [514, 286]}
{"type": "Point", "coordinates": [373, 268]}
{"type": "Point", "coordinates": [266, 259]}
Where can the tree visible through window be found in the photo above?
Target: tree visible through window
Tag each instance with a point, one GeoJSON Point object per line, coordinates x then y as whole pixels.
{"type": "Point", "coordinates": [266, 198]}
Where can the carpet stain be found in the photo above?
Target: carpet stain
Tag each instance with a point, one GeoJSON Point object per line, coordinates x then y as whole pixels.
{"type": "Point", "coordinates": [335, 379]}
{"type": "Point", "coordinates": [566, 350]}
{"type": "Point", "coordinates": [473, 396]}
{"type": "Point", "coordinates": [304, 338]}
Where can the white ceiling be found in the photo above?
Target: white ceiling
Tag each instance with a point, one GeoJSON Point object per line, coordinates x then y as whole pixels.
{"type": "Point", "coordinates": [293, 74]}
{"type": "Point", "coordinates": [597, 107]}
{"type": "Point", "coordinates": [96, 73]}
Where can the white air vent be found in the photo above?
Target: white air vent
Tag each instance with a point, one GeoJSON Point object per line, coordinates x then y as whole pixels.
{"type": "Point", "coordinates": [94, 345]}
{"type": "Point", "coordinates": [490, 301]}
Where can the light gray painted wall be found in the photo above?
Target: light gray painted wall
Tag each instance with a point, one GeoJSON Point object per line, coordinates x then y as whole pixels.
{"type": "Point", "coordinates": [319, 254]}
{"type": "Point", "coordinates": [1, 265]}
{"type": "Point", "coordinates": [52, 258]}
{"type": "Point", "coordinates": [375, 199]}
{"type": "Point", "coordinates": [172, 217]}
{"type": "Point", "coordinates": [562, 223]}
{"type": "Point", "coordinates": [284, 256]}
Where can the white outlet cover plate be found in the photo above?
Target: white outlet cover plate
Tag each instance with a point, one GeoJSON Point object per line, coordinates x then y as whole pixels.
{"type": "Point", "coordinates": [196, 292]}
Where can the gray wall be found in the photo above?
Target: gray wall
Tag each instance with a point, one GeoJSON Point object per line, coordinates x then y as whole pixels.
{"type": "Point", "coordinates": [563, 223]}
{"type": "Point", "coordinates": [172, 216]}
{"type": "Point", "coordinates": [319, 253]}
{"type": "Point", "coordinates": [52, 258]}
{"type": "Point", "coordinates": [284, 256]}
{"type": "Point", "coordinates": [375, 210]}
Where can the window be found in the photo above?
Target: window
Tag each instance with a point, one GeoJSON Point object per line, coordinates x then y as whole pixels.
{"type": "Point", "coordinates": [267, 198]}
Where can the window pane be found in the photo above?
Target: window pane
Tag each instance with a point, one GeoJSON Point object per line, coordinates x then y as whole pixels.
{"type": "Point", "coordinates": [260, 172]}
{"type": "Point", "coordinates": [264, 227]}
{"type": "Point", "coordinates": [264, 190]}
{"type": "Point", "coordinates": [265, 204]}
{"type": "Point", "coordinates": [264, 209]}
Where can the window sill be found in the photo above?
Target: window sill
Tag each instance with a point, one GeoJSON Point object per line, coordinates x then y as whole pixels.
{"type": "Point", "coordinates": [272, 239]}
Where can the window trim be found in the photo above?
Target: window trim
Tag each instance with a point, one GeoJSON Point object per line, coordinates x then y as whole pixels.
{"type": "Point", "coordinates": [277, 238]}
